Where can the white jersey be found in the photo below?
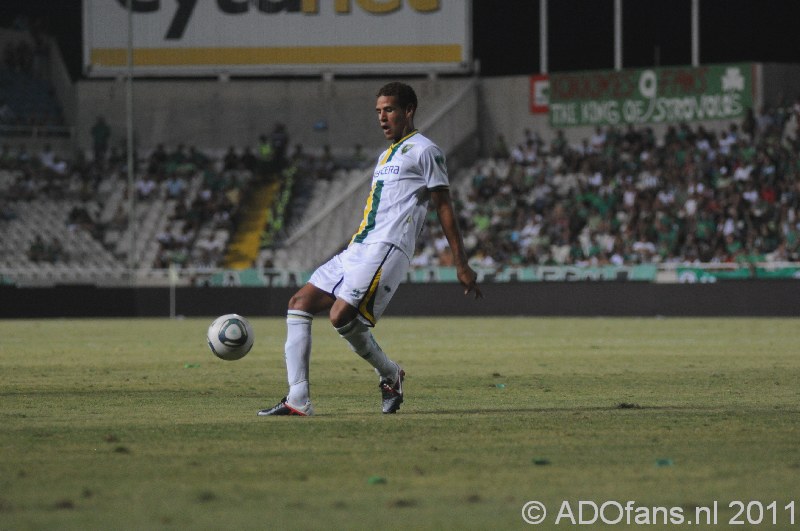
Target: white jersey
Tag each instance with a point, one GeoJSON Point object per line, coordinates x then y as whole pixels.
{"type": "Point", "coordinates": [398, 201]}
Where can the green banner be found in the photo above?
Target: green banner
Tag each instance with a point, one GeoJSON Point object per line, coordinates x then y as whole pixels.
{"type": "Point", "coordinates": [258, 278]}
{"type": "Point", "coordinates": [284, 278]}
{"type": "Point", "coordinates": [653, 95]}
{"type": "Point", "coordinates": [636, 273]}
{"type": "Point", "coordinates": [704, 275]}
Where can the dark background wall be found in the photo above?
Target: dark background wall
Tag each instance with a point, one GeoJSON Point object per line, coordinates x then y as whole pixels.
{"type": "Point", "coordinates": [733, 298]}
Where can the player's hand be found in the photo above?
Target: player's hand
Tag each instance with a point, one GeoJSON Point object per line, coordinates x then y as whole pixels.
{"type": "Point", "coordinates": [469, 279]}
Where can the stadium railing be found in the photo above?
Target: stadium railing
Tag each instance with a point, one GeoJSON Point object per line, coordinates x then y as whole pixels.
{"type": "Point", "coordinates": [23, 132]}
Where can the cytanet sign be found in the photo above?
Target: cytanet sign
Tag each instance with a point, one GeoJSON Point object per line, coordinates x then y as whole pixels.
{"type": "Point", "coordinates": [264, 37]}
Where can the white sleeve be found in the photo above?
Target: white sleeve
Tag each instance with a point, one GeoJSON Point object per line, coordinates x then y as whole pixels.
{"type": "Point", "coordinates": [434, 167]}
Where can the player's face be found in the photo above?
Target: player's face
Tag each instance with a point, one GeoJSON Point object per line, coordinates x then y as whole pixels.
{"type": "Point", "coordinates": [394, 121]}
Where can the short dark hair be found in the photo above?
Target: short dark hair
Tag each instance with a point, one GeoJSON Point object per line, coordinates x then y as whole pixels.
{"type": "Point", "coordinates": [404, 93]}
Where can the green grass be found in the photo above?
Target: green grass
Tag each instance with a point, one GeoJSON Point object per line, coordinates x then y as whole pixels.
{"type": "Point", "coordinates": [132, 424]}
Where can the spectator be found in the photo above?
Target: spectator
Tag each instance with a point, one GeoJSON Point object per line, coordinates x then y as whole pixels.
{"type": "Point", "coordinates": [359, 158]}
{"type": "Point", "coordinates": [37, 250]}
{"type": "Point", "coordinates": [49, 160]}
{"type": "Point", "coordinates": [176, 187]}
{"type": "Point", "coordinates": [7, 213]}
{"type": "Point", "coordinates": [266, 156]}
{"type": "Point", "coordinates": [8, 159]}
{"type": "Point", "coordinates": [500, 150]}
{"type": "Point", "coordinates": [230, 161]}
{"type": "Point", "coordinates": [7, 114]}
{"type": "Point", "coordinates": [279, 140]}
{"type": "Point", "coordinates": [249, 160]}
{"type": "Point", "coordinates": [101, 133]}
{"type": "Point", "coordinates": [157, 160]}
{"type": "Point", "coordinates": [325, 165]}
{"type": "Point", "coordinates": [55, 252]}
{"type": "Point", "coordinates": [145, 187]}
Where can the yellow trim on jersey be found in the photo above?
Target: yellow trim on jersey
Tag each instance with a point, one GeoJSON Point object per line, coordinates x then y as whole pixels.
{"type": "Point", "coordinates": [393, 147]}
{"type": "Point", "coordinates": [370, 210]}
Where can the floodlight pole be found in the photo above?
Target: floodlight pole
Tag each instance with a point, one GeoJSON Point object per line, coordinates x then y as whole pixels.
{"type": "Point", "coordinates": [132, 261]}
{"type": "Point", "coordinates": [695, 33]}
{"type": "Point", "coordinates": [617, 35]}
{"type": "Point", "coordinates": [543, 66]}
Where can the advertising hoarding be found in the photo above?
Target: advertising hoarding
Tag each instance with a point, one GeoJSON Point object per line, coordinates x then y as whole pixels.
{"type": "Point", "coordinates": [266, 37]}
{"type": "Point", "coordinates": [539, 94]}
{"type": "Point", "coordinates": [654, 95]}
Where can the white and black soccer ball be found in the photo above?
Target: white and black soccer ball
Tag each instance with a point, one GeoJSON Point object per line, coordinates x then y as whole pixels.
{"type": "Point", "coordinates": [230, 337]}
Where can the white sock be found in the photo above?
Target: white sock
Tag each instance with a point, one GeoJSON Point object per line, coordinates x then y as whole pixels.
{"type": "Point", "coordinates": [298, 355]}
{"type": "Point", "coordinates": [361, 341]}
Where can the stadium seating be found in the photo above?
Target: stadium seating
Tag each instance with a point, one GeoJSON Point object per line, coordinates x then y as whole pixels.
{"type": "Point", "coordinates": [96, 244]}
{"type": "Point", "coordinates": [565, 206]}
{"type": "Point", "coordinates": [30, 99]}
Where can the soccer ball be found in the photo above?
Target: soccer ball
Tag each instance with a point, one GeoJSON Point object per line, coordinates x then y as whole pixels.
{"type": "Point", "coordinates": [230, 337]}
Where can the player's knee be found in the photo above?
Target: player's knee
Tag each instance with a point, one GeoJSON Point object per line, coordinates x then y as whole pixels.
{"type": "Point", "coordinates": [311, 300]}
{"type": "Point", "coordinates": [301, 301]}
{"type": "Point", "coordinates": [296, 302]}
{"type": "Point", "coordinates": [338, 319]}
{"type": "Point", "coordinates": [341, 314]}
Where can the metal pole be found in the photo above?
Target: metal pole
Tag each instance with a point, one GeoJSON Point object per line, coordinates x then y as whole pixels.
{"type": "Point", "coordinates": [132, 258]}
{"type": "Point", "coordinates": [173, 280]}
{"type": "Point", "coordinates": [617, 34]}
{"type": "Point", "coordinates": [543, 66]}
{"type": "Point", "coordinates": [695, 33]}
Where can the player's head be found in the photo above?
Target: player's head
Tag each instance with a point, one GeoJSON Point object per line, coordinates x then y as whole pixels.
{"type": "Point", "coordinates": [396, 106]}
{"type": "Point", "coordinates": [404, 93]}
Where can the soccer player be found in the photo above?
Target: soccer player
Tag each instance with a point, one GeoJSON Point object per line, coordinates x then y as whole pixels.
{"type": "Point", "coordinates": [356, 285]}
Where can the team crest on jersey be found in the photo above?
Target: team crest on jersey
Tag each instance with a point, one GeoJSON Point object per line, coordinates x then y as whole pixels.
{"type": "Point", "coordinates": [439, 160]}
{"type": "Point", "coordinates": [406, 148]}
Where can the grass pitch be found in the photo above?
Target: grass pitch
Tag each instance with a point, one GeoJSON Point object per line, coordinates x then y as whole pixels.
{"type": "Point", "coordinates": [132, 424]}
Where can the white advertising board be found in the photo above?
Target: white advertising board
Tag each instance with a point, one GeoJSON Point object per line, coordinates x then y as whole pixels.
{"type": "Point", "coordinates": [269, 37]}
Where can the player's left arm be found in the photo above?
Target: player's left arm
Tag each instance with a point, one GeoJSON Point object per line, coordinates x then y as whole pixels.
{"type": "Point", "coordinates": [440, 197]}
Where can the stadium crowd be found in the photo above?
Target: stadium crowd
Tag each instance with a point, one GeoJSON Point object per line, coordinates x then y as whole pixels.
{"type": "Point", "coordinates": [620, 197]}
{"type": "Point", "coordinates": [625, 197]}
{"type": "Point", "coordinates": [207, 192]}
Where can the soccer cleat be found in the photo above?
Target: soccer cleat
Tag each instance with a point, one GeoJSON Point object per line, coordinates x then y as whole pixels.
{"type": "Point", "coordinates": [283, 408]}
{"type": "Point", "coordinates": [392, 392]}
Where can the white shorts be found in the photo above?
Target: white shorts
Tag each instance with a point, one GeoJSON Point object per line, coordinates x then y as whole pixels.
{"type": "Point", "coordinates": [365, 276]}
